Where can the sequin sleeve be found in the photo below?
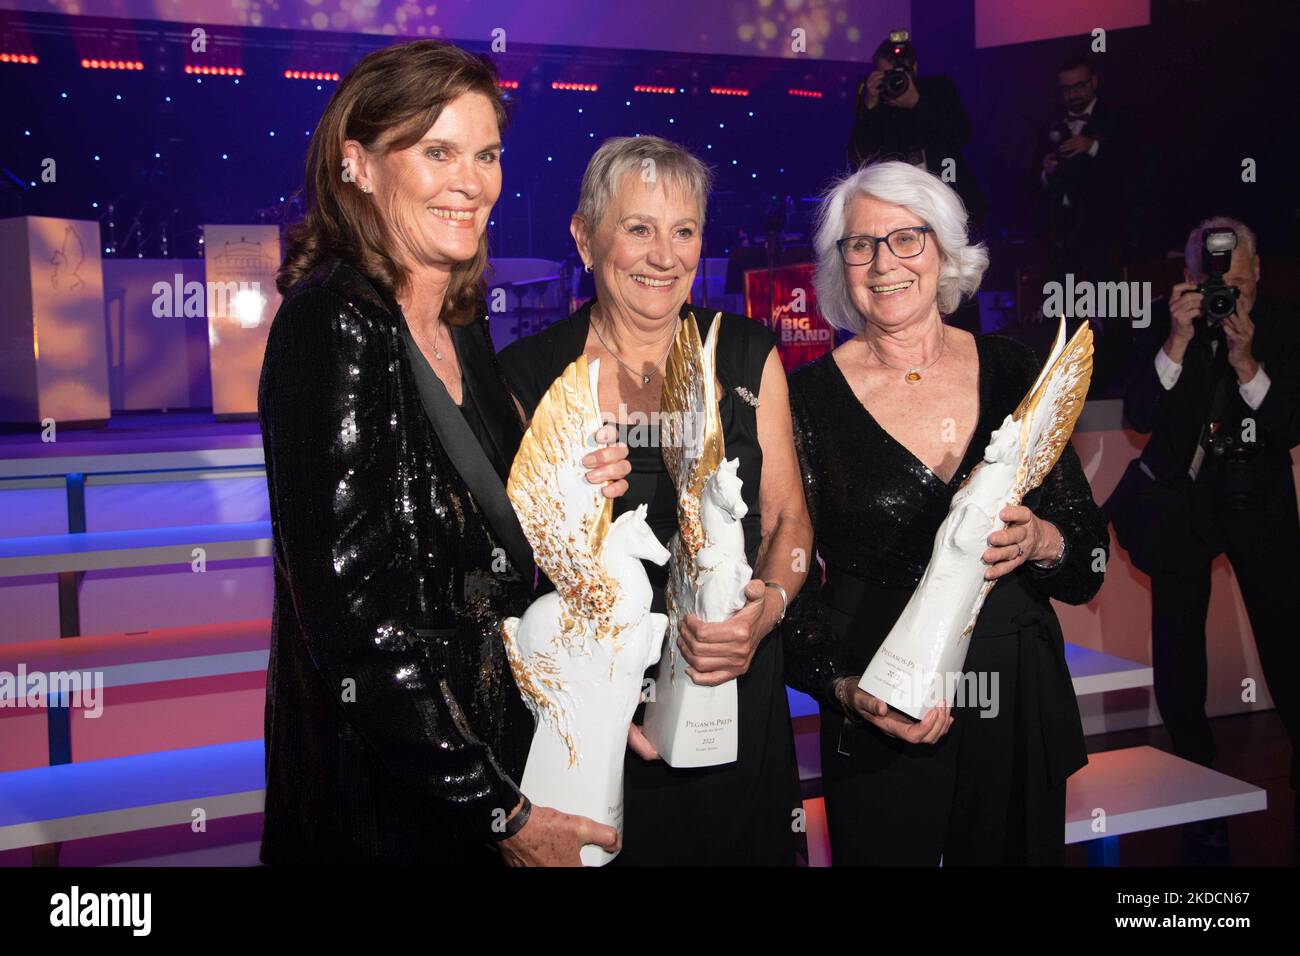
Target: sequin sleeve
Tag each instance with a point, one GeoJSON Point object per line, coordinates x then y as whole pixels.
{"type": "Point", "coordinates": [1065, 499]}
{"type": "Point", "coordinates": [814, 657]}
{"type": "Point", "coordinates": [330, 432]}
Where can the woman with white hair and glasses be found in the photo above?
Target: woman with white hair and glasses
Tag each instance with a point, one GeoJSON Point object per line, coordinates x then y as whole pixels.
{"type": "Point", "coordinates": [638, 228]}
{"type": "Point", "coordinates": [887, 428]}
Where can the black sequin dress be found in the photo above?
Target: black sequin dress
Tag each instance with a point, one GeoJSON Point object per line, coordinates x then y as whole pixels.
{"type": "Point", "coordinates": [740, 813]}
{"type": "Point", "coordinates": [993, 790]}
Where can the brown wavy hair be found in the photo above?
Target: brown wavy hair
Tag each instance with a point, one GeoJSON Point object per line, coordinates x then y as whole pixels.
{"type": "Point", "coordinates": [394, 94]}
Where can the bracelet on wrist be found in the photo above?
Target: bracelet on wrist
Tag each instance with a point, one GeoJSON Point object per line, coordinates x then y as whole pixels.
{"type": "Point", "coordinates": [516, 822]}
{"type": "Point", "coordinates": [785, 599]}
{"type": "Point", "coordinates": [1056, 560]}
{"type": "Point", "coordinates": [842, 696]}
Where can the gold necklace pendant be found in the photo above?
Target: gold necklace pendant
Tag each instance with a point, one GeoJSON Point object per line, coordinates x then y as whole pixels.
{"type": "Point", "coordinates": [913, 375]}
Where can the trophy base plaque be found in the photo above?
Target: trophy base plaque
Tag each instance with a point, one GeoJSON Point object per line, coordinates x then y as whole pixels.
{"type": "Point", "coordinates": [900, 676]}
{"type": "Point", "coordinates": [690, 725]}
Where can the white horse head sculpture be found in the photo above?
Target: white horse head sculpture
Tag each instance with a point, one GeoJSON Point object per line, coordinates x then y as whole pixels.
{"type": "Point", "coordinates": [630, 536]}
{"type": "Point", "coordinates": [722, 494]}
{"type": "Point", "coordinates": [578, 654]}
{"type": "Point", "coordinates": [709, 572]}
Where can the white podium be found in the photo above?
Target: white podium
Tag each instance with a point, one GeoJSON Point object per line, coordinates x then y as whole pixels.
{"type": "Point", "coordinates": [53, 346]}
{"type": "Point", "coordinates": [241, 300]}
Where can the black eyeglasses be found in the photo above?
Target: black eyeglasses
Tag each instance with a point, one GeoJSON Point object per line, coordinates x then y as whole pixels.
{"type": "Point", "coordinates": [905, 243]}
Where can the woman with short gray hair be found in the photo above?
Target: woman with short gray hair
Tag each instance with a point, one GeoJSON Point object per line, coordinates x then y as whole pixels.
{"type": "Point", "coordinates": [638, 228]}
{"type": "Point", "coordinates": [888, 426]}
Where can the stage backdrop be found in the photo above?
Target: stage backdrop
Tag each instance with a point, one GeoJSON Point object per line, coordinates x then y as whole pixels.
{"type": "Point", "coordinates": [833, 29]}
{"type": "Point", "coordinates": [158, 355]}
{"type": "Point", "coordinates": [999, 22]}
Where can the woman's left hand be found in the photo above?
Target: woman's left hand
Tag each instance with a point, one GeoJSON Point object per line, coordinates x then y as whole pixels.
{"type": "Point", "coordinates": [1026, 537]}
{"type": "Point", "coordinates": [608, 466]}
{"type": "Point", "coordinates": [716, 652]}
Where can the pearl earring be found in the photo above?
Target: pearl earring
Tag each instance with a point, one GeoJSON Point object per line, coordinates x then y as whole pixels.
{"type": "Point", "coordinates": [365, 189]}
{"type": "Point", "coordinates": [586, 267]}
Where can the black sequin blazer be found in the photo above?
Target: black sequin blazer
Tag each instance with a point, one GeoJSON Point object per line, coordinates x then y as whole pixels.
{"type": "Point", "coordinates": [394, 731]}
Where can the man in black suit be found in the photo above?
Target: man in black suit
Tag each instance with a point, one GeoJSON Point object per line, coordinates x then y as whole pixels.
{"type": "Point", "coordinates": [1221, 402]}
{"type": "Point", "coordinates": [923, 125]}
{"type": "Point", "coordinates": [1097, 185]}
{"type": "Point", "coordinates": [1083, 167]}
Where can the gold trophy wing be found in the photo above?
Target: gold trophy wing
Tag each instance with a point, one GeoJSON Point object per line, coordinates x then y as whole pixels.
{"type": "Point", "coordinates": [690, 426]}
{"type": "Point", "coordinates": [565, 517]}
{"type": "Point", "coordinates": [1048, 413]}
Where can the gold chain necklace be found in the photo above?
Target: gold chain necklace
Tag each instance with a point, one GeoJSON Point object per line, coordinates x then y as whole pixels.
{"type": "Point", "coordinates": [913, 375]}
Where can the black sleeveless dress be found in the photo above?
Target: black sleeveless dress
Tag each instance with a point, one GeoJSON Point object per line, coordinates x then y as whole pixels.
{"type": "Point", "coordinates": [744, 813]}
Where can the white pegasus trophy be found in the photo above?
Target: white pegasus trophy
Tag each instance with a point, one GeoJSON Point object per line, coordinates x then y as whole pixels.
{"type": "Point", "coordinates": [580, 652]}
{"type": "Point", "coordinates": [691, 725]}
{"type": "Point", "coordinates": [922, 657]}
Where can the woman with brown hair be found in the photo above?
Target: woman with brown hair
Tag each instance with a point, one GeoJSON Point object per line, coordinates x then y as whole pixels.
{"type": "Point", "coordinates": [394, 731]}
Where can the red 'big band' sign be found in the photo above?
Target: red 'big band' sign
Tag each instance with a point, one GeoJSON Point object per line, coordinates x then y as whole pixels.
{"type": "Point", "coordinates": [784, 300]}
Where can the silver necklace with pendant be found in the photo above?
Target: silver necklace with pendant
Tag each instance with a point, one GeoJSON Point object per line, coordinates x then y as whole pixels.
{"type": "Point", "coordinates": [644, 376]}
{"type": "Point", "coordinates": [437, 353]}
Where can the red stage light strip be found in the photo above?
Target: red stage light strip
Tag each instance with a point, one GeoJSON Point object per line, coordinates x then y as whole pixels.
{"type": "Point", "coordinates": [310, 75]}
{"type": "Point", "coordinates": [810, 94]}
{"type": "Point", "coordinates": [111, 65]}
{"type": "Point", "coordinates": [27, 58]}
{"type": "Point", "coordinates": [640, 88]}
{"type": "Point", "coordinates": [508, 84]}
{"type": "Point", "coordinates": [727, 91]}
{"type": "Point", "coordinates": [214, 70]}
{"type": "Point", "coordinates": [576, 87]}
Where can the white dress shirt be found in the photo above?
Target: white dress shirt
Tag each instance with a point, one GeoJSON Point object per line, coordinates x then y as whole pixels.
{"type": "Point", "coordinates": [1252, 392]}
{"type": "Point", "coordinates": [1077, 123]}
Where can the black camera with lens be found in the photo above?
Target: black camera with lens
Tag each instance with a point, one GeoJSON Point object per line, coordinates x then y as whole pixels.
{"type": "Point", "coordinates": [899, 76]}
{"type": "Point", "coordinates": [1236, 481]}
{"type": "Point", "coordinates": [1216, 259]}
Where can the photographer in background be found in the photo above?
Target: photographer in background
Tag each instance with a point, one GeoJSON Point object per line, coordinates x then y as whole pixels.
{"type": "Point", "coordinates": [1218, 389]}
{"type": "Point", "coordinates": [918, 119]}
